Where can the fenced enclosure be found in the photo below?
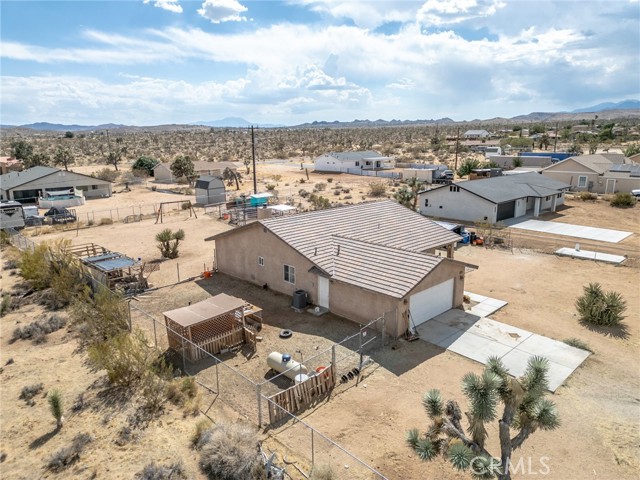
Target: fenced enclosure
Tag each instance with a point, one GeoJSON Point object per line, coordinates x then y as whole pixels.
{"type": "Point", "coordinates": [267, 406]}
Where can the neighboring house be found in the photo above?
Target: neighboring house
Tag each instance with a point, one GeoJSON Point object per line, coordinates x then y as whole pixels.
{"type": "Point", "coordinates": [598, 173]}
{"type": "Point", "coordinates": [476, 134]}
{"type": "Point", "coordinates": [353, 161]}
{"type": "Point", "coordinates": [10, 164]}
{"type": "Point", "coordinates": [27, 186]}
{"type": "Point", "coordinates": [162, 171]}
{"type": "Point", "coordinates": [210, 191]}
{"type": "Point", "coordinates": [357, 261]}
{"type": "Point", "coordinates": [493, 199]}
{"type": "Point", "coordinates": [509, 161]}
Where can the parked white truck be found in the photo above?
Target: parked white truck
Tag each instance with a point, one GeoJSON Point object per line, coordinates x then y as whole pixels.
{"type": "Point", "coordinates": [11, 215]}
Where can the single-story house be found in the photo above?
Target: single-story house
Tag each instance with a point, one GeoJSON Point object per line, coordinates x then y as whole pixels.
{"type": "Point", "coordinates": [493, 199]}
{"type": "Point", "coordinates": [210, 191]}
{"type": "Point", "coordinates": [353, 162]}
{"type": "Point", "coordinates": [10, 164]}
{"type": "Point", "coordinates": [162, 171]}
{"type": "Point", "coordinates": [27, 186]}
{"type": "Point", "coordinates": [598, 173]}
{"type": "Point", "coordinates": [510, 161]}
{"type": "Point", "coordinates": [476, 134]}
{"type": "Point", "coordinates": [359, 261]}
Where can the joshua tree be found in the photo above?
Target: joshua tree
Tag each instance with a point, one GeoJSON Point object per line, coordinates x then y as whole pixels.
{"type": "Point", "coordinates": [55, 404]}
{"type": "Point", "coordinates": [525, 409]}
{"type": "Point", "coordinates": [407, 195]}
{"type": "Point", "coordinates": [168, 242]}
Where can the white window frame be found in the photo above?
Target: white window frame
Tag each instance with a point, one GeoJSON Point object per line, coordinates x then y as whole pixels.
{"type": "Point", "coordinates": [261, 261]}
{"type": "Point", "coordinates": [289, 274]}
{"type": "Point", "coordinates": [582, 181]}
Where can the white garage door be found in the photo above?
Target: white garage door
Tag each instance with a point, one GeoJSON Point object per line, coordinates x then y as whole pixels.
{"type": "Point", "coordinates": [431, 302]}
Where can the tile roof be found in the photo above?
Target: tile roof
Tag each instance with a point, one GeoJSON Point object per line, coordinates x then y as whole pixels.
{"type": "Point", "coordinates": [384, 223]}
{"type": "Point", "coordinates": [387, 270]}
{"type": "Point", "coordinates": [511, 187]}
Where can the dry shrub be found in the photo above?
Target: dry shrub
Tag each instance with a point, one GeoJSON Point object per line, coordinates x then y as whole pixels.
{"type": "Point", "coordinates": [30, 391]}
{"type": "Point", "coordinates": [154, 471]}
{"type": "Point", "coordinates": [35, 267]}
{"type": "Point", "coordinates": [106, 221]}
{"type": "Point", "coordinates": [37, 331]}
{"type": "Point", "coordinates": [585, 196]}
{"type": "Point", "coordinates": [229, 451]}
{"type": "Point", "coordinates": [623, 200]}
{"type": "Point", "coordinates": [322, 472]}
{"type": "Point", "coordinates": [68, 455]}
{"type": "Point", "coordinates": [184, 393]}
{"type": "Point", "coordinates": [377, 189]}
{"type": "Point", "coordinates": [201, 427]}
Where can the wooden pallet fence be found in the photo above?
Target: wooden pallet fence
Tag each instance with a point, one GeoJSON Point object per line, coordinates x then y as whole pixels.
{"type": "Point", "coordinates": [217, 344]}
{"type": "Point", "coordinates": [301, 396]}
{"type": "Point", "coordinates": [250, 338]}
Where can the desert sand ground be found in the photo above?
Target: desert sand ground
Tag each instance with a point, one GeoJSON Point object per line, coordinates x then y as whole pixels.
{"type": "Point", "coordinates": [598, 405]}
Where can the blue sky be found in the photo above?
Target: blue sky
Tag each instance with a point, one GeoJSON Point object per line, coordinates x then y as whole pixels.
{"type": "Point", "coordinates": [175, 61]}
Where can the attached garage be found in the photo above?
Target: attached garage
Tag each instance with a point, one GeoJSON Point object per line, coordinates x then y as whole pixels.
{"type": "Point", "coordinates": [506, 210]}
{"type": "Point", "coordinates": [431, 302]}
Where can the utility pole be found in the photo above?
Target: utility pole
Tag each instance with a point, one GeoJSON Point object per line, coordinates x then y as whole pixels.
{"type": "Point", "coordinates": [455, 168]}
{"type": "Point", "coordinates": [555, 140]}
{"type": "Point", "coordinates": [253, 155]}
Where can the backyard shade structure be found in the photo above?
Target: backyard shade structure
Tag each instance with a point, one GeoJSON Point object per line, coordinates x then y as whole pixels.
{"type": "Point", "coordinates": [211, 325]}
{"type": "Point", "coordinates": [111, 269]}
{"type": "Point", "coordinates": [210, 191]}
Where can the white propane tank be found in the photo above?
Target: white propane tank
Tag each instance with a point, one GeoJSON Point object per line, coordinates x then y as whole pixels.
{"type": "Point", "coordinates": [284, 363]}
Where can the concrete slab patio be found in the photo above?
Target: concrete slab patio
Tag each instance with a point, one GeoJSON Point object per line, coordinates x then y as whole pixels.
{"type": "Point", "coordinates": [577, 231]}
{"type": "Point", "coordinates": [589, 255]}
{"type": "Point", "coordinates": [479, 338]}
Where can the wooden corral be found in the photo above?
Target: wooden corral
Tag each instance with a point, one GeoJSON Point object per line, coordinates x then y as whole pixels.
{"type": "Point", "coordinates": [302, 395]}
{"type": "Point", "coordinates": [213, 325]}
{"type": "Point", "coordinates": [111, 269]}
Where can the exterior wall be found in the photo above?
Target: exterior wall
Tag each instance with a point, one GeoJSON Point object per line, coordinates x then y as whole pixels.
{"type": "Point", "coordinates": [521, 208]}
{"type": "Point", "coordinates": [461, 205]}
{"type": "Point", "coordinates": [422, 174]}
{"type": "Point", "coordinates": [569, 172]}
{"type": "Point", "coordinates": [328, 163]}
{"type": "Point", "coordinates": [91, 187]}
{"type": "Point", "coordinates": [237, 255]}
{"type": "Point", "coordinates": [162, 173]}
{"type": "Point", "coordinates": [624, 183]}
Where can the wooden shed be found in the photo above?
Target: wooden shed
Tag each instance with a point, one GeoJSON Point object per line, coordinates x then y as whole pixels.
{"type": "Point", "coordinates": [213, 325]}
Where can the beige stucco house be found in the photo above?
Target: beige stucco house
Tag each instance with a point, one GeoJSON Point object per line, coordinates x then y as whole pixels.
{"type": "Point", "coordinates": [162, 171]}
{"type": "Point", "coordinates": [358, 261]}
{"type": "Point", "coordinates": [599, 173]}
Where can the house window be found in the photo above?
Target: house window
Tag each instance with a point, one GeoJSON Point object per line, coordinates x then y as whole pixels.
{"type": "Point", "coordinates": [261, 261]}
{"type": "Point", "coordinates": [289, 274]}
{"type": "Point", "coordinates": [426, 202]}
{"type": "Point", "coordinates": [454, 188]}
{"type": "Point", "coordinates": [94, 187]}
{"type": "Point", "coordinates": [582, 181]}
{"type": "Point", "coordinates": [547, 199]}
{"type": "Point", "coordinates": [357, 164]}
{"type": "Point", "coordinates": [559, 195]}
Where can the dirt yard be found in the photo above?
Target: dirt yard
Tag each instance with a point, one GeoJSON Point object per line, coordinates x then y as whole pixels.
{"type": "Point", "coordinates": [599, 404]}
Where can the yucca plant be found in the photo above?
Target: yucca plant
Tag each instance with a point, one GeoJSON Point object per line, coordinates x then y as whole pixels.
{"type": "Point", "coordinates": [598, 307]}
{"type": "Point", "coordinates": [168, 242]}
{"type": "Point", "coordinates": [524, 409]}
{"type": "Point", "coordinates": [55, 405]}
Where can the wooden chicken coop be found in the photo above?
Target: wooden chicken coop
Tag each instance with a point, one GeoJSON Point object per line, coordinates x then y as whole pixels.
{"type": "Point", "coordinates": [212, 326]}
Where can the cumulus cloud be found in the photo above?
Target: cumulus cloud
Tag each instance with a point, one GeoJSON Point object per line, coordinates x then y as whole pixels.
{"type": "Point", "coordinates": [370, 14]}
{"type": "Point", "coordinates": [218, 11]}
{"type": "Point", "coordinates": [170, 5]}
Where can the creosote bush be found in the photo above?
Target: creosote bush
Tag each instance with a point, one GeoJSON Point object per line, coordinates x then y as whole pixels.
{"type": "Point", "coordinates": [623, 200]}
{"type": "Point", "coordinates": [153, 471]}
{"type": "Point", "coordinates": [584, 196]}
{"type": "Point", "coordinates": [377, 189]}
{"type": "Point", "coordinates": [598, 307]}
{"type": "Point", "coordinates": [99, 315]}
{"type": "Point", "coordinates": [37, 331]}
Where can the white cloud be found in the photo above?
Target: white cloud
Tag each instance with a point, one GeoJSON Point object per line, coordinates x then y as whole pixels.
{"type": "Point", "coordinates": [170, 5]}
{"type": "Point", "coordinates": [368, 14]}
{"type": "Point", "coordinates": [218, 11]}
{"type": "Point", "coordinates": [448, 12]}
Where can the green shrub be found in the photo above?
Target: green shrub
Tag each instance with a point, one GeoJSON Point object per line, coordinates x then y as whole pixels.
{"type": "Point", "coordinates": [6, 304]}
{"type": "Point", "coordinates": [576, 342]}
{"type": "Point", "coordinates": [99, 316]}
{"type": "Point", "coordinates": [270, 186]}
{"type": "Point", "coordinates": [35, 267]}
{"type": "Point", "coordinates": [377, 189]}
{"type": "Point", "coordinates": [623, 200]}
{"type": "Point", "coordinates": [598, 307]}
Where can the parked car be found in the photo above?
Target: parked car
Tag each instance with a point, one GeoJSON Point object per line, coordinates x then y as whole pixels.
{"type": "Point", "coordinates": [31, 216]}
{"type": "Point", "coordinates": [635, 193]}
{"type": "Point", "coordinates": [60, 215]}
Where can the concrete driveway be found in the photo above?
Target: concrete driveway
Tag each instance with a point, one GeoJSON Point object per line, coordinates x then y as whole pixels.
{"type": "Point", "coordinates": [479, 338]}
{"type": "Point", "coordinates": [578, 231]}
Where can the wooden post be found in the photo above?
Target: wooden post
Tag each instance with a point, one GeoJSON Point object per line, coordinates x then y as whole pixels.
{"type": "Point", "coordinates": [217, 378]}
{"type": "Point", "coordinates": [333, 361]}
{"type": "Point", "coordinates": [155, 337]}
{"type": "Point", "coordinates": [259, 398]}
{"type": "Point", "coordinates": [178, 270]}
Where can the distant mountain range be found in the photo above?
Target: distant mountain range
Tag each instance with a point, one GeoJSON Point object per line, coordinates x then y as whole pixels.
{"type": "Point", "coordinates": [605, 111]}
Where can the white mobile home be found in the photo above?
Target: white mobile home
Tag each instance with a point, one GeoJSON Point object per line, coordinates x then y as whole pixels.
{"type": "Point", "coordinates": [353, 162]}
